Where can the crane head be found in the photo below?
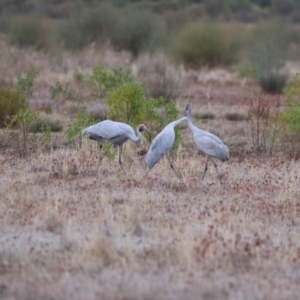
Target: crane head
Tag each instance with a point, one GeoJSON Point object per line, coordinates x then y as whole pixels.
{"type": "Point", "coordinates": [188, 107]}
{"type": "Point", "coordinates": [143, 127]}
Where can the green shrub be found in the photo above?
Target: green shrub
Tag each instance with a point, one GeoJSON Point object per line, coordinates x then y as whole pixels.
{"type": "Point", "coordinates": [74, 129]}
{"type": "Point", "coordinates": [90, 25]}
{"type": "Point", "coordinates": [104, 80]}
{"type": "Point", "coordinates": [138, 31]}
{"type": "Point", "coordinates": [11, 102]}
{"type": "Point", "coordinates": [27, 31]}
{"type": "Point", "coordinates": [289, 133]}
{"type": "Point", "coordinates": [209, 45]}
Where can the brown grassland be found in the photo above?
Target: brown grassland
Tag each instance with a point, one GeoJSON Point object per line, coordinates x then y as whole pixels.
{"type": "Point", "coordinates": [66, 233]}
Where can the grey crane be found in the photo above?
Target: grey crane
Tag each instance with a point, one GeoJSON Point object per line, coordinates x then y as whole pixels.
{"type": "Point", "coordinates": [162, 144]}
{"type": "Point", "coordinates": [116, 133]}
{"type": "Point", "coordinates": [207, 142]}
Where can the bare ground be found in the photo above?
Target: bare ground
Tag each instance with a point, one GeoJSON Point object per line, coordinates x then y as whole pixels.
{"type": "Point", "coordinates": [66, 233]}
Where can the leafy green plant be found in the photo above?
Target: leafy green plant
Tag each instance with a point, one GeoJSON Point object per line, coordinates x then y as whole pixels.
{"type": "Point", "coordinates": [74, 129]}
{"type": "Point", "coordinates": [289, 133]}
{"type": "Point", "coordinates": [61, 90]}
{"type": "Point", "coordinates": [248, 71]}
{"type": "Point", "coordinates": [25, 83]}
{"type": "Point", "coordinates": [11, 101]}
{"type": "Point", "coordinates": [104, 80]}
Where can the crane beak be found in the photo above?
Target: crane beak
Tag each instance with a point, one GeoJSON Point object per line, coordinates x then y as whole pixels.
{"type": "Point", "coordinates": [148, 130]}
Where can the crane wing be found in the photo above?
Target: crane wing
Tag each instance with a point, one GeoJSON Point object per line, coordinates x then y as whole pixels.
{"type": "Point", "coordinates": [211, 146]}
{"type": "Point", "coordinates": [160, 146]}
{"type": "Point", "coordinates": [107, 130]}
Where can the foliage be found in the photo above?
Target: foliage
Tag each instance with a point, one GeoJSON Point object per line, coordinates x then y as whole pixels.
{"type": "Point", "coordinates": [290, 119]}
{"type": "Point", "coordinates": [25, 84]}
{"type": "Point", "coordinates": [27, 31]}
{"type": "Point", "coordinates": [292, 91]}
{"type": "Point", "coordinates": [248, 71]}
{"type": "Point", "coordinates": [89, 25]}
{"type": "Point", "coordinates": [74, 129]}
{"type": "Point", "coordinates": [11, 101]}
{"type": "Point", "coordinates": [62, 90]}
{"type": "Point", "coordinates": [207, 44]}
{"type": "Point", "coordinates": [138, 31]}
{"type": "Point", "coordinates": [104, 80]}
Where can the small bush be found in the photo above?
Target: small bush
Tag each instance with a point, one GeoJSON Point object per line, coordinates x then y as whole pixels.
{"type": "Point", "coordinates": [40, 123]}
{"type": "Point", "coordinates": [11, 102]}
{"type": "Point", "coordinates": [27, 31]}
{"type": "Point", "coordinates": [235, 117]}
{"type": "Point", "coordinates": [204, 116]}
{"type": "Point", "coordinates": [272, 82]}
{"type": "Point", "coordinates": [208, 45]}
{"type": "Point", "coordinates": [263, 123]}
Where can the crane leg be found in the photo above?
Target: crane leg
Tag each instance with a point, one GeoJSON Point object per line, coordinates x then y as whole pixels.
{"type": "Point", "coordinates": [220, 177]}
{"type": "Point", "coordinates": [100, 159]}
{"type": "Point", "coordinates": [120, 155]}
{"type": "Point", "coordinates": [206, 167]}
{"type": "Point", "coordinates": [171, 165]}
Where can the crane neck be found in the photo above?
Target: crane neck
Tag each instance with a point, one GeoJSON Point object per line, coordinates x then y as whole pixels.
{"type": "Point", "coordinates": [137, 138]}
{"type": "Point", "coordinates": [189, 119]}
{"type": "Point", "coordinates": [175, 123]}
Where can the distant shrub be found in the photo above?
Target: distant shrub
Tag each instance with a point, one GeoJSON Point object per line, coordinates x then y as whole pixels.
{"type": "Point", "coordinates": [248, 71]}
{"type": "Point", "coordinates": [41, 123]}
{"type": "Point", "coordinates": [11, 102]}
{"type": "Point", "coordinates": [235, 117]}
{"type": "Point", "coordinates": [27, 31]}
{"type": "Point", "coordinates": [268, 51]}
{"type": "Point", "coordinates": [208, 45]}
{"type": "Point", "coordinates": [272, 82]}
{"type": "Point", "coordinates": [204, 116]}
{"type": "Point", "coordinates": [90, 25]}
{"type": "Point", "coordinates": [138, 31]}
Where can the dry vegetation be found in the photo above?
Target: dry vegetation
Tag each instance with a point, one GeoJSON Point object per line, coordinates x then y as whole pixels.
{"type": "Point", "coordinates": [67, 233]}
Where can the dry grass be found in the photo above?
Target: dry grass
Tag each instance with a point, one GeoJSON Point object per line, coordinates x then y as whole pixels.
{"type": "Point", "coordinates": [67, 233]}
{"type": "Point", "coordinates": [119, 236]}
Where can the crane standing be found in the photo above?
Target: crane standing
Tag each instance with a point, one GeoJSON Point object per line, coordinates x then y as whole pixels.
{"type": "Point", "coordinates": [207, 142]}
{"type": "Point", "coordinates": [161, 145]}
{"type": "Point", "coordinates": [116, 133]}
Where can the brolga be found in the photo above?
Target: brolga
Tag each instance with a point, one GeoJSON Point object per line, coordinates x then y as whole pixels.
{"type": "Point", "coordinates": [161, 145]}
{"type": "Point", "coordinates": [207, 142]}
{"type": "Point", "coordinates": [116, 133]}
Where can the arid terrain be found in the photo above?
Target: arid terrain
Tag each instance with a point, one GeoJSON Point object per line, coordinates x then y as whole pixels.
{"type": "Point", "coordinates": [67, 233]}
